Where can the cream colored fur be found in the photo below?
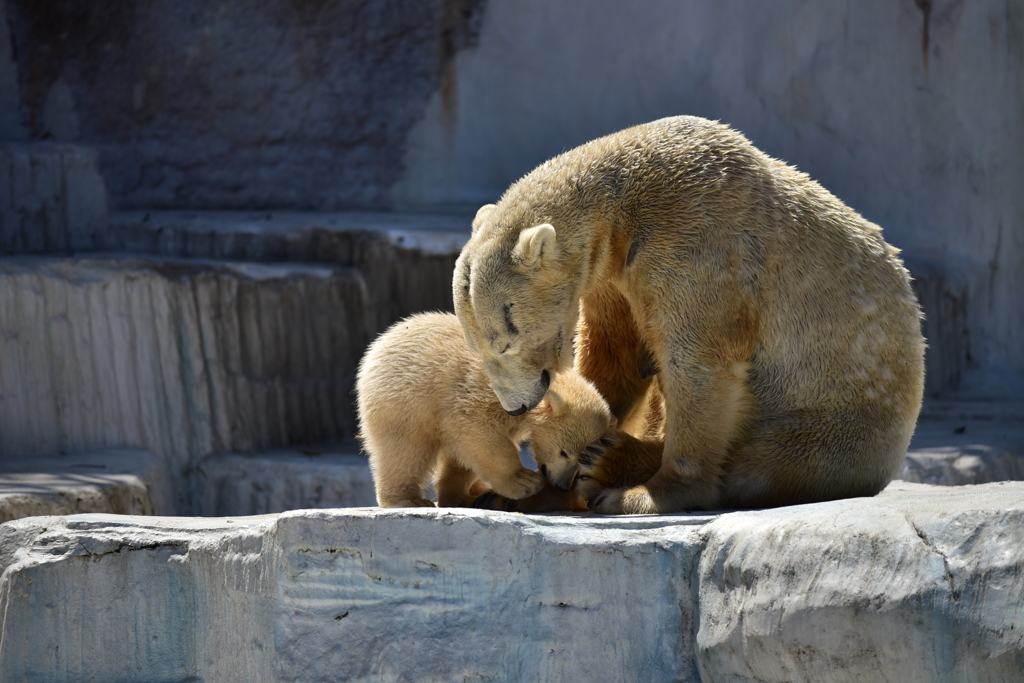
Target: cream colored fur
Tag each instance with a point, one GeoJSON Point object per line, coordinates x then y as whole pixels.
{"type": "Point", "coordinates": [757, 339]}
{"type": "Point", "coordinates": [427, 410]}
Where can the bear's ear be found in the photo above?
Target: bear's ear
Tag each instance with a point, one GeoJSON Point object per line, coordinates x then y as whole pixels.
{"type": "Point", "coordinates": [554, 405]}
{"type": "Point", "coordinates": [535, 244]}
{"type": "Point", "coordinates": [481, 216]}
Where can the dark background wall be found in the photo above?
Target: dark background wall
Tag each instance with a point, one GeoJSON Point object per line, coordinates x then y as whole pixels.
{"type": "Point", "coordinates": [217, 103]}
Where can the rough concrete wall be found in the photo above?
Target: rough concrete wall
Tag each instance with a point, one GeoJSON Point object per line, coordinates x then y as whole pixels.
{"type": "Point", "coordinates": [11, 128]}
{"type": "Point", "coordinates": [298, 103]}
{"type": "Point", "coordinates": [910, 111]}
{"type": "Point", "coordinates": [182, 358]}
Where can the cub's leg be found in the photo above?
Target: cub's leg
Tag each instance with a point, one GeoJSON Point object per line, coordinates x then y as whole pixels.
{"type": "Point", "coordinates": [549, 499]}
{"type": "Point", "coordinates": [401, 465]}
{"type": "Point", "coordinates": [456, 485]}
{"type": "Point", "coordinates": [492, 456]}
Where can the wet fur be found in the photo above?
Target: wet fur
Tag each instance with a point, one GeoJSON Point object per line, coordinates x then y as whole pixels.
{"type": "Point", "coordinates": [781, 328]}
{"type": "Point", "coordinates": [427, 411]}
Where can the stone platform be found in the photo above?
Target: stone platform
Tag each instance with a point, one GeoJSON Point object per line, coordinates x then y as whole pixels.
{"type": "Point", "coordinates": [917, 584]}
{"type": "Point", "coordinates": [119, 481]}
{"type": "Point", "coordinates": [285, 479]}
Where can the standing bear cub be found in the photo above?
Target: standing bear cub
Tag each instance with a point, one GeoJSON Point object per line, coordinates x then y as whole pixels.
{"type": "Point", "coordinates": [426, 408]}
{"type": "Point", "coordinates": [756, 338]}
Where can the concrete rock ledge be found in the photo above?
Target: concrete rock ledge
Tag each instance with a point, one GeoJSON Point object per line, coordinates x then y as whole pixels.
{"type": "Point", "coordinates": [918, 584]}
{"type": "Point", "coordinates": [954, 451]}
{"type": "Point", "coordinates": [181, 357]}
{"type": "Point", "coordinates": [279, 480]}
{"type": "Point", "coordinates": [405, 259]}
{"type": "Point", "coordinates": [120, 481]}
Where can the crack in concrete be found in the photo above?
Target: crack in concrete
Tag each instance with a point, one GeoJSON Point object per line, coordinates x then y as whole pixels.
{"type": "Point", "coordinates": [930, 545]}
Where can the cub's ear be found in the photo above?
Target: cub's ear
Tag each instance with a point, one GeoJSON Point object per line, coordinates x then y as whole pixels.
{"type": "Point", "coordinates": [481, 216]}
{"type": "Point", "coordinates": [553, 404]}
{"type": "Point", "coordinates": [536, 244]}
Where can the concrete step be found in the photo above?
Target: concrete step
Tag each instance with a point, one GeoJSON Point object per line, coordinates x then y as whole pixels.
{"type": "Point", "coordinates": [179, 357]}
{"type": "Point", "coordinates": [928, 581]}
{"type": "Point", "coordinates": [120, 481]}
{"type": "Point", "coordinates": [136, 482]}
{"type": "Point", "coordinates": [406, 259]}
{"type": "Point", "coordinates": [226, 484]}
{"type": "Point", "coordinates": [972, 447]}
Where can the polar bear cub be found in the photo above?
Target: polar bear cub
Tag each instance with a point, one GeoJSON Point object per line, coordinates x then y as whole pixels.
{"type": "Point", "coordinates": [426, 408]}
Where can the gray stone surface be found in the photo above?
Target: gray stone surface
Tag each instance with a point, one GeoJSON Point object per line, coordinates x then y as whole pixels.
{"type": "Point", "coordinates": [52, 198]}
{"type": "Point", "coordinates": [918, 584]}
{"type": "Point", "coordinates": [11, 127]}
{"type": "Point", "coordinates": [406, 260]}
{"type": "Point", "coordinates": [966, 450]}
{"type": "Point", "coordinates": [183, 358]}
{"type": "Point", "coordinates": [124, 482]}
{"type": "Point", "coordinates": [225, 105]}
{"type": "Point", "coordinates": [908, 111]}
{"type": "Point", "coordinates": [276, 481]}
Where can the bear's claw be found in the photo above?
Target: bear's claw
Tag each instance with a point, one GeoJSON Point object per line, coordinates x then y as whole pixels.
{"type": "Point", "coordinates": [485, 500]}
{"type": "Point", "coordinates": [606, 501]}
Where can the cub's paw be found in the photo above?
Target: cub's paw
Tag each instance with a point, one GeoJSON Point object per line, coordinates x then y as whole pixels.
{"type": "Point", "coordinates": [492, 500]}
{"type": "Point", "coordinates": [523, 484]}
{"type": "Point", "coordinates": [600, 499]}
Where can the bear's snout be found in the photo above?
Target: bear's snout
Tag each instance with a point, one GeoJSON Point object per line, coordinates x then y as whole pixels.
{"type": "Point", "coordinates": [539, 391]}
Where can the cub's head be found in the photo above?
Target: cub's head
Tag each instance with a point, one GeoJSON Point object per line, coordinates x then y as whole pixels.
{"type": "Point", "coordinates": [570, 417]}
{"type": "Point", "coordinates": [518, 303]}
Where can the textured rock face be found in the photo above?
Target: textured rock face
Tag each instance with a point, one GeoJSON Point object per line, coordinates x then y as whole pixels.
{"type": "Point", "coordinates": [406, 260]}
{"type": "Point", "coordinates": [123, 482]}
{"type": "Point", "coordinates": [183, 358]}
{"type": "Point", "coordinates": [917, 584]}
{"type": "Point", "coordinates": [955, 451]}
{"type": "Point", "coordinates": [174, 596]}
{"type": "Point", "coordinates": [254, 484]}
{"type": "Point", "coordinates": [274, 103]}
{"type": "Point", "coordinates": [52, 198]}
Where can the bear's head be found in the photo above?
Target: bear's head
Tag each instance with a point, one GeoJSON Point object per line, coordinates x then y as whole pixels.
{"type": "Point", "coordinates": [518, 304]}
{"type": "Point", "coordinates": [570, 417]}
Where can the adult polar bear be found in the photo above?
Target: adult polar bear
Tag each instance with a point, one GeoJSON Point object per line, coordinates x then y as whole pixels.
{"type": "Point", "coordinates": [768, 329]}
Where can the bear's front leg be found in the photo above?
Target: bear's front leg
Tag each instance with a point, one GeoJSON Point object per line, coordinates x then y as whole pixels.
{"type": "Point", "coordinates": [611, 466]}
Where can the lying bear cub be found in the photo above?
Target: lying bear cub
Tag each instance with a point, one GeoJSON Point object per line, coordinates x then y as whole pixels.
{"type": "Point", "coordinates": [426, 408]}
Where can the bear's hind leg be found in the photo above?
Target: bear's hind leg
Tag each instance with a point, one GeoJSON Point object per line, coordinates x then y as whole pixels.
{"type": "Point", "coordinates": [400, 466]}
{"type": "Point", "coordinates": [807, 457]}
{"type": "Point", "coordinates": [456, 485]}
